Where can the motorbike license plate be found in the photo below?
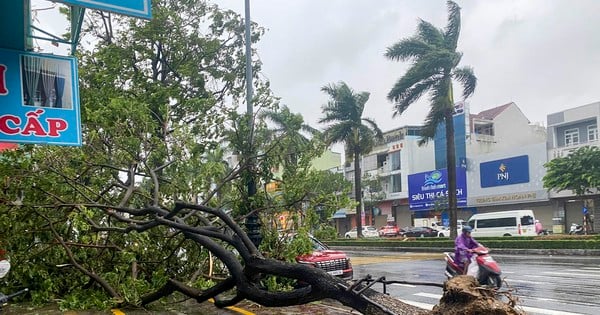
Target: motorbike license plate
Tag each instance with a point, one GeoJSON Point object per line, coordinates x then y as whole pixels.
{"type": "Point", "coordinates": [335, 272]}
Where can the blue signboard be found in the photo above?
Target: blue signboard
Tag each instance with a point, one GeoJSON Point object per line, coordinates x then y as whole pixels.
{"type": "Point", "coordinates": [509, 171]}
{"type": "Point", "coordinates": [137, 8]}
{"type": "Point", "coordinates": [425, 189]}
{"type": "Point", "coordinates": [39, 98]}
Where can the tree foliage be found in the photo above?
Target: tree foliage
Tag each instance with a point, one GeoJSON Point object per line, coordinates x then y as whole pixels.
{"type": "Point", "coordinates": [579, 171]}
{"type": "Point", "coordinates": [343, 114]}
{"type": "Point", "coordinates": [84, 226]}
{"type": "Point", "coordinates": [434, 66]}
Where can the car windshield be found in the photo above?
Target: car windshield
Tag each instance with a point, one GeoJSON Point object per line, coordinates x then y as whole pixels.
{"type": "Point", "coordinates": [371, 228]}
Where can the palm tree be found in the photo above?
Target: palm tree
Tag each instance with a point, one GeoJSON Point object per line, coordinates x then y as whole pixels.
{"type": "Point", "coordinates": [344, 114]}
{"type": "Point", "coordinates": [434, 66]}
{"type": "Point", "coordinates": [290, 130]}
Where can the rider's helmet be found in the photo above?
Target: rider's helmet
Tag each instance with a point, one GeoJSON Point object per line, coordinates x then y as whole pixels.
{"type": "Point", "coordinates": [467, 229]}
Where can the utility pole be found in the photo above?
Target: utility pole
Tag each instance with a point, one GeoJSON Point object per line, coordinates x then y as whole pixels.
{"type": "Point", "coordinates": [252, 220]}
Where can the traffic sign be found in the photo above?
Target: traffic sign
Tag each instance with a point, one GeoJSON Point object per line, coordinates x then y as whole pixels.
{"type": "Point", "coordinates": [39, 98]}
{"type": "Point", "coordinates": [137, 8]}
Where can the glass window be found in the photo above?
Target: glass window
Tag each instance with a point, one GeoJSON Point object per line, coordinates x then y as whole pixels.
{"type": "Point", "coordinates": [571, 137]}
{"type": "Point", "coordinates": [500, 222]}
{"type": "Point", "coordinates": [395, 157]}
{"type": "Point", "coordinates": [592, 133]}
{"type": "Point", "coordinates": [396, 183]}
{"type": "Point", "coordinates": [527, 220]}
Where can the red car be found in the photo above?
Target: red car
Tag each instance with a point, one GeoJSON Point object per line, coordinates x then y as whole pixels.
{"type": "Point", "coordinates": [334, 262]}
{"type": "Point", "coordinates": [391, 229]}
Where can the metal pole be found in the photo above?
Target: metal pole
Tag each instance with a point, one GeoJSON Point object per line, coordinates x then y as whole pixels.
{"type": "Point", "coordinates": [252, 220]}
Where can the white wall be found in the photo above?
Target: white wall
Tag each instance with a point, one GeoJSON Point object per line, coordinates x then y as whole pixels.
{"type": "Point", "coordinates": [531, 191]}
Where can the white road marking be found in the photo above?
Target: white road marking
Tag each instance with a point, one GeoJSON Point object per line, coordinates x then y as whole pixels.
{"type": "Point", "coordinates": [404, 285]}
{"type": "Point", "coordinates": [571, 274]}
{"type": "Point", "coordinates": [544, 311]}
{"type": "Point", "coordinates": [429, 295]}
{"type": "Point", "coordinates": [524, 281]}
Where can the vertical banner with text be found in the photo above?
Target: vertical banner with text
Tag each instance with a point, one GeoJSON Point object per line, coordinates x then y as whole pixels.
{"type": "Point", "coordinates": [39, 99]}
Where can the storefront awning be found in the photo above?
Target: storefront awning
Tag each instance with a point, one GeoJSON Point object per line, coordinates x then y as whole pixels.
{"type": "Point", "coordinates": [340, 214]}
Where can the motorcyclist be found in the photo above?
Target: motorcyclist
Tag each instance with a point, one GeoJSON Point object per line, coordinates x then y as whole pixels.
{"type": "Point", "coordinates": [463, 248]}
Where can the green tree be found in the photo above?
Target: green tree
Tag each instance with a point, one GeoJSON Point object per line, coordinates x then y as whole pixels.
{"type": "Point", "coordinates": [578, 171]}
{"type": "Point", "coordinates": [435, 63]}
{"type": "Point", "coordinates": [343, 112]}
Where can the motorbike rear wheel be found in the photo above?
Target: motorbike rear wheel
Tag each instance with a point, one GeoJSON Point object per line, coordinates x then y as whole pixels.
{"type": "Point", "coordinates": [493, 281]}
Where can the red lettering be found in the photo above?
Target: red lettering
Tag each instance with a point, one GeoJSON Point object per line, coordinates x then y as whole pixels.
{"type": "Point", "coordinates": [55, 126]}
{"type": "Point", "coordinates": [9, 124]}
{"type": "Point", "coordinates": [33, 124]}
{"type": "Point", "coordinates": [3, 88]}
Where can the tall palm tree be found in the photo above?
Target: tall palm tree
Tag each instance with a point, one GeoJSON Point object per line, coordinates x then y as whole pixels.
{"type": "Point", "coordinates": [343, 112]}
{"type": "Point", "coordinates": [434, 66]}
{"type": "Point", "coordinates": [290, 130]}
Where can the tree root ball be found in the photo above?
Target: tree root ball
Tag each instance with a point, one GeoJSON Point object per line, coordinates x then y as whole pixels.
{"type": "Point", "coordinates": [463, 295]}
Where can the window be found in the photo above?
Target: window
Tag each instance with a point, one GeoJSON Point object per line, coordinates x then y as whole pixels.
{"type": "Point", "coordinates": [396, 183]}
{"type": "Point", "coordinates": [527, 220]}
{"type": "Point", "coordinates": [592, 133]}
{"type": "Point", "coordinates": [571, 137]}
{"type": "Point", "coordinates": [395, 157]}
{"type": "Point", "coordinates": [46, 82]}
{"type": "Point", "coordinates": [500, 222]}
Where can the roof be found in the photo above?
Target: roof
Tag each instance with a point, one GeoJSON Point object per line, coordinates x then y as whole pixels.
{"type": "Point", "coordinates": [492, 113]}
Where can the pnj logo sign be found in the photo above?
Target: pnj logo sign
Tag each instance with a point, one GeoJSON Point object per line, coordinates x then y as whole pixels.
{"type": "Point", "coordinates": [39, 99]}
{"type": "Point", "coordinates": [509, 171]}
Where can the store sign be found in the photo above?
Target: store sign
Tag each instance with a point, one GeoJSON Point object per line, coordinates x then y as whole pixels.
{"type": "Point", "coordinates": [509, 171]}
{"type": "Point", "coordinates": [428, 188]}
{"type": "Point", "coordinates": [136, 8]}
{"type": "Point", "coordinates": [39, 99]}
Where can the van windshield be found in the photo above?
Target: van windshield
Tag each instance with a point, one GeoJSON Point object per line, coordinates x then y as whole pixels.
{"type": "Point", "coordinates": [527, 220]}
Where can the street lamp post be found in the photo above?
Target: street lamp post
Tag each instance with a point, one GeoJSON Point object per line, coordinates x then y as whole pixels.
{"type": "Point", "coordinates": [252, 221]}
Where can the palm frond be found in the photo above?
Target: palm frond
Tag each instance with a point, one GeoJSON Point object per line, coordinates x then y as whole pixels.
{"type": "Point", "coordinates": [430, 34]}
{"type": "Point", "coordinates": [377, 133]}
{"type": "Point", "coordinates": [453, 27]}
{"type": "Point", "coordinates": [408, 48]}
{"type": "Point", "coordinates": [412, 94]}
{"type": "Point", "coordinates": [466, 77]}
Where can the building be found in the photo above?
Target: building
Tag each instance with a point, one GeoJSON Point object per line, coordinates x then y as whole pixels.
{"type": "Point", "coordinates": [500, 157]}
{"type": "Point", "coordinates": [569, 130]}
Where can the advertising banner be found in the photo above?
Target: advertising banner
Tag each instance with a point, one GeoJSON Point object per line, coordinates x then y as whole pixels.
{"type": "Point", "coordinates": [136, 8]}
{"type": "Point", "coordinates": [39, 99]}
{"type": "Point", "coordinates": [428, 188]}
{"type": "Point", "coordinates": [509, 171]}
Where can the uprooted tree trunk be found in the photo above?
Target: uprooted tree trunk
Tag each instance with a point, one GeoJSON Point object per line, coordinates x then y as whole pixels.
{"type": "Point", "coordinates": [216, 231]}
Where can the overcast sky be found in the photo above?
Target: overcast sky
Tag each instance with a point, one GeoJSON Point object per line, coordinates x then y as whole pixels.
{"type": "Point", "coordinates": [544, 55]}
{"type": "Point", "coordinates": [541, 54]}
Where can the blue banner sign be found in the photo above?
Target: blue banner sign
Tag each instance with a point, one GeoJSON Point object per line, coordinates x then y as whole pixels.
{"type": "Point", "coordinates": [428, 188]}
{"type": "Point", "coordinates": [509, 171]}
{"type": "Point", "coordinates": [39, 98]}
{"type": "Point", "coordinates": [137, 8]}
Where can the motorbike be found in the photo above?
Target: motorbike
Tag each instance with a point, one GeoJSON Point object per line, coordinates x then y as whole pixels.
{"type": "Point", "coordinates": [4, 269]}
{"type": "Point", "coordinates": [576, 229]}
{"type": "Point", "coordinates": [488, 272]}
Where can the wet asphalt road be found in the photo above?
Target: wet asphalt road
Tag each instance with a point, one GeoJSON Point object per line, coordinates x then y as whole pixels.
{"type": "Point", "coordinates": [563, 285]}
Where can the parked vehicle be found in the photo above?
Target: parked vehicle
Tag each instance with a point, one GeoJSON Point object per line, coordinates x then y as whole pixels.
{"type": "Point", "coordinates": [488, 272]}
{"type": "Point", "coordinates": [503, 223]}
{"type": "Point", "coordinates": [576, 229]}
{"type": "Point", "coordinates": [367, 231]}
{"type": "Point", "coordinates": [418, 231]}
{"type": "Point", "coordinates": [334, 262]}
{"type": "Point", "coordinates": [444, 231]}
{"type": "Point", "coordinates": [390, 229]}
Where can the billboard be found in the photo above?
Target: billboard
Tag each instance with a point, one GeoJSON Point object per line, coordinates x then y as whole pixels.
{"type": "Point", "coordinates": [509, 171]}
{"type": "Point", "coordinates": [137, 8]}
{"type": "Point", "coordinates": [39, 98]}
{"type": "Point", "coordinates": [427, 188]}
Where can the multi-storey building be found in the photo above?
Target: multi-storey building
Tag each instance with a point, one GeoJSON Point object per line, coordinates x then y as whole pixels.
{"type": "Point", "coordinates": [569, 130]}
{"type": "Point", "coordinates": [499, 155]}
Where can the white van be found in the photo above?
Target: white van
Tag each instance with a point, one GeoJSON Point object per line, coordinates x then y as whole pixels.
{"type": "Point", "coordinates": [503, 223]}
